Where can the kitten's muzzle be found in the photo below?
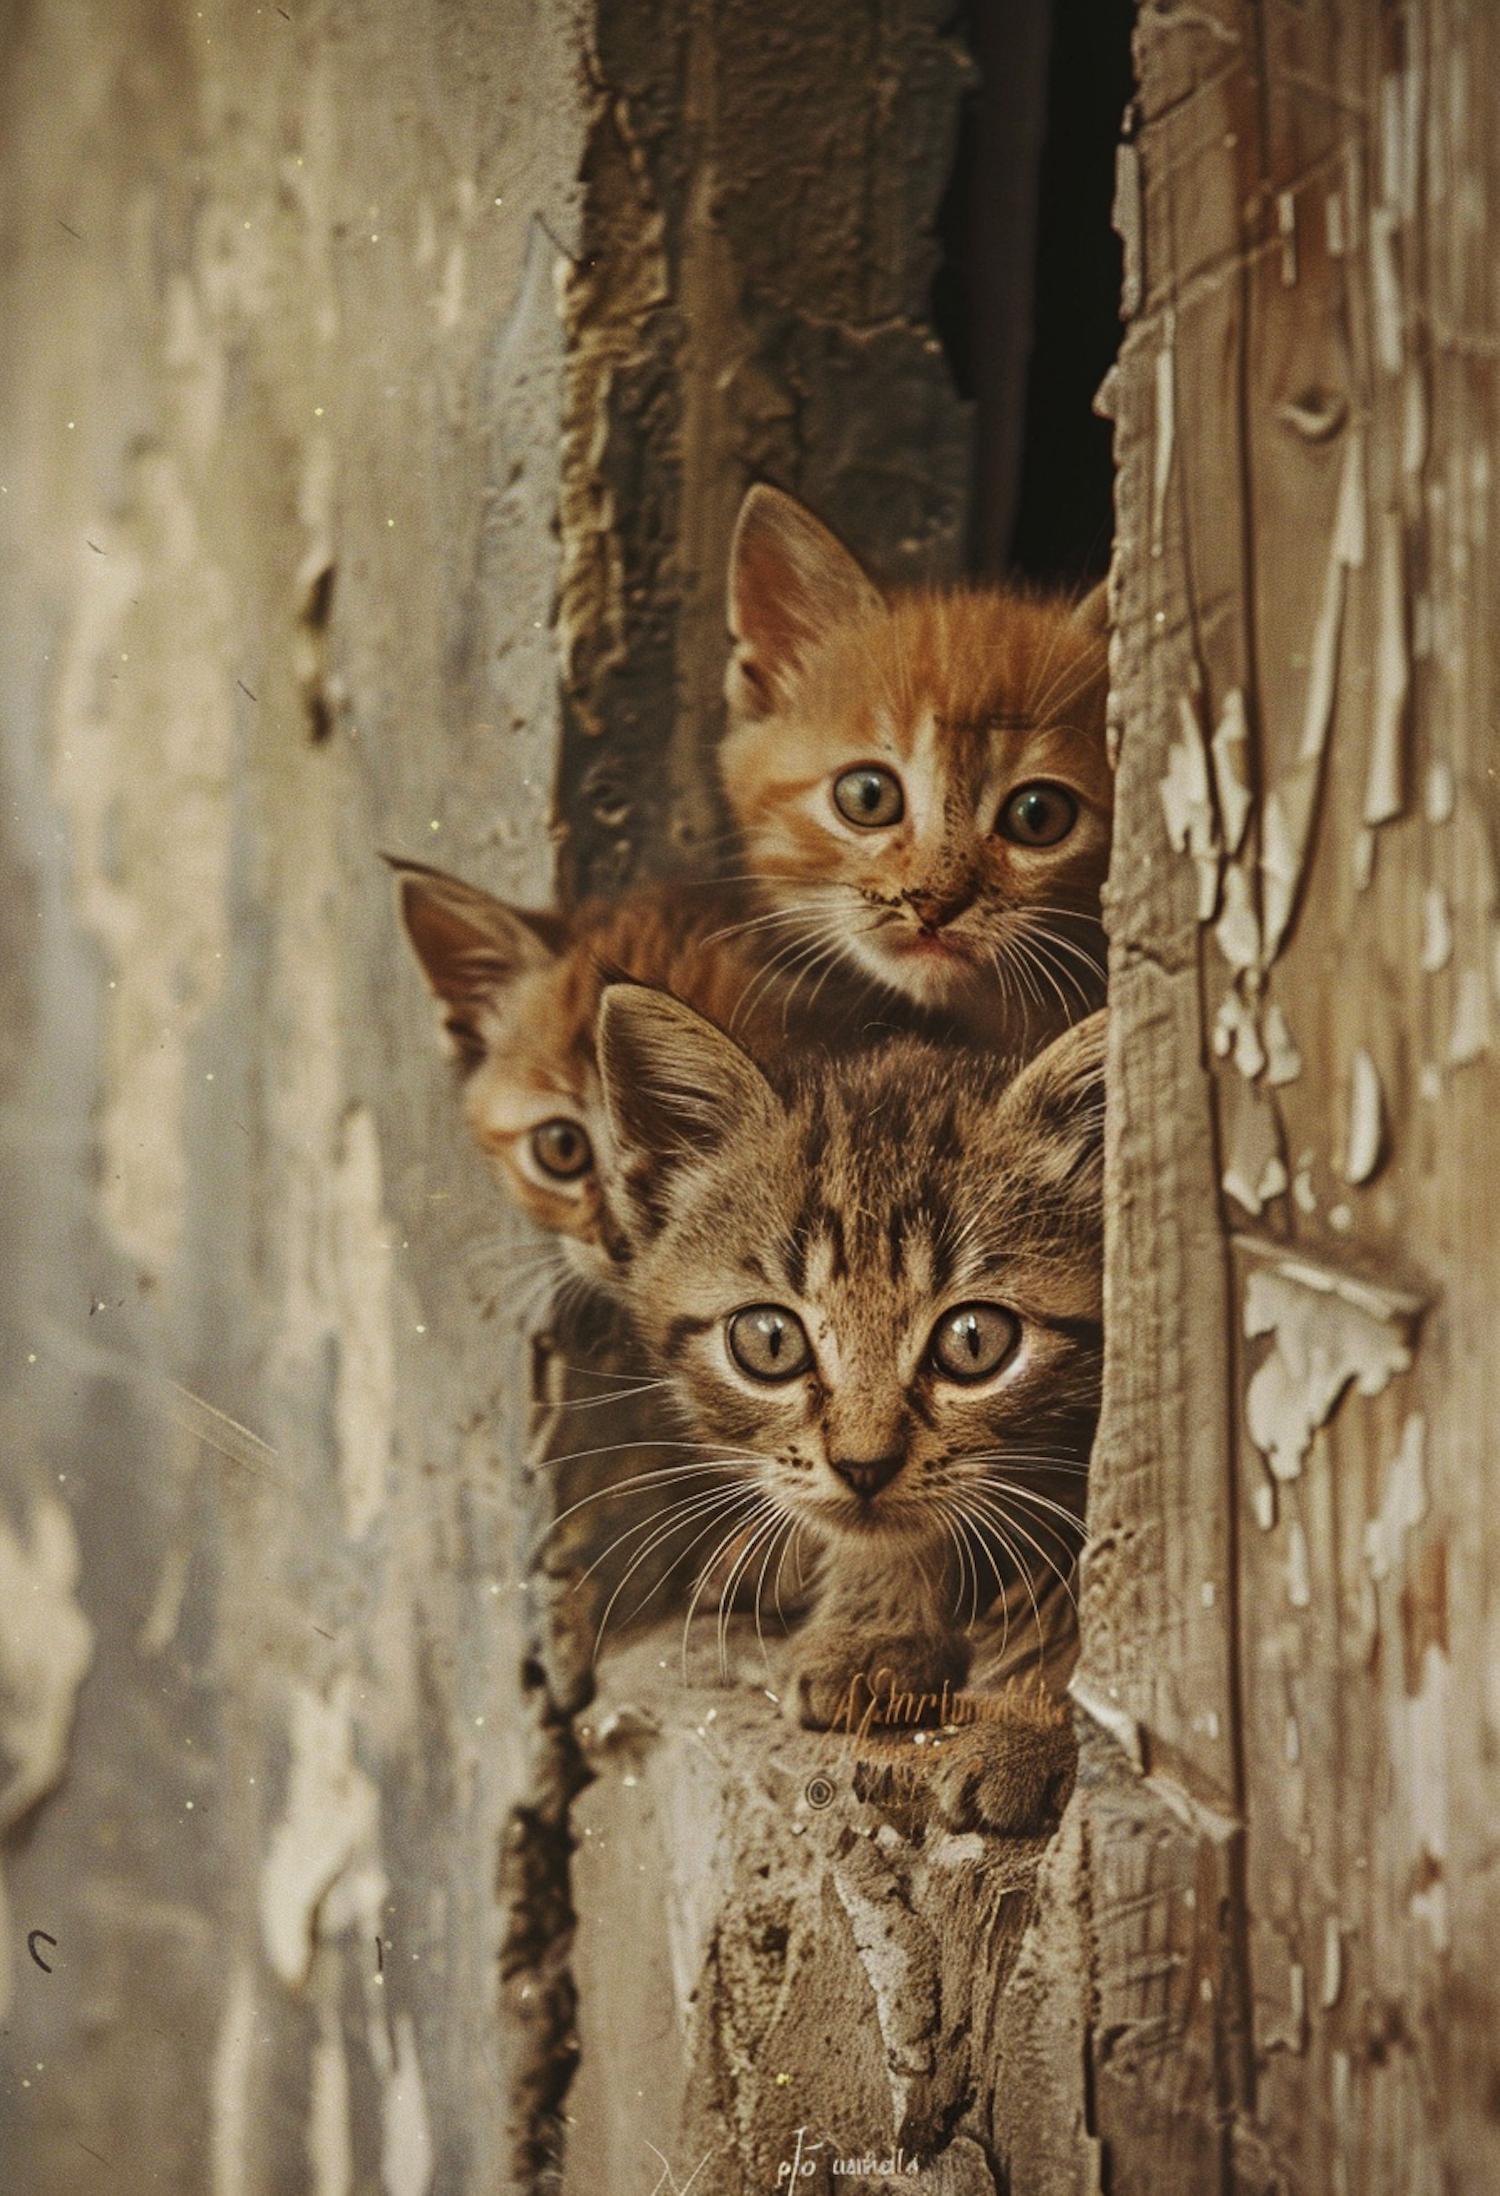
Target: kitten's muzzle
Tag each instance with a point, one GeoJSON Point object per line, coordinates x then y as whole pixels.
{"type": "Point", "coordinates": [934, 910]}
{"type": "Point", "coordinates": [867, 1475]}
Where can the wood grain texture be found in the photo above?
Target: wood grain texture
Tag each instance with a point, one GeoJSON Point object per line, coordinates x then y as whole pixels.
{"type": "Point", "coordinates": [1310, 560]}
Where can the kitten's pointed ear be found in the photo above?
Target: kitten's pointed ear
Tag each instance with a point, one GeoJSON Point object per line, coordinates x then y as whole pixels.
{"type": "Point", "coordinates": [790, 579]}
{"type": "Point", "coordinates": [674, 1084]}
{"type": "Point", "coordinates": [1059, 1100]}
{"type": "Point", "coordinates": [470, 946]}
{"type": "Point", "coordinates": [1091, 616]}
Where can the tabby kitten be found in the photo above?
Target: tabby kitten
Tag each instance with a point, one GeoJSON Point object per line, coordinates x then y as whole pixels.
{"type": "Point", "coordinates": [874, 1284]}
{"type": "Point", "coordinates": [920, 778]}
{"type": "Point", "coordinates": [520, 990]}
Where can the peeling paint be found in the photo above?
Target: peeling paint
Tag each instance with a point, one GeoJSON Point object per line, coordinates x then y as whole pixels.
{"type": "Point", "coordinates": [46, 1646]}
{"type": "Point", "coordinates": [1231, 749]}
{"type": "Point", "coordinates": [1333, 1964]}
{"type": "Point", "coordinates": [1286, 822]}
{"type": "Point", "coordinates": [1298, 1571]}
{"type": "Point", "coordinates": [406, 2155]}
{"type": "Point", "coordinates": [1470, 1034]}
{"type": "Point", "coordinates": [1280, 869]}
{"type": "Point", "coordinates": [1366, 1132]}
{"type": "Point", "coordinates": [1257, 1162]}
{"type": "Point", "coordinates": [1283, 1060]}
{"type": "Point", "coordinates": [1330, 1332]}
{"type": "Point", "coordinates": [1422, 1763]}
{"type": "Point", "coordinates": [1441, 791]}
{"type": "Point", "coordinates": [1238, 928]}
{"type": "Point", "coordinates": [1236, 1031]}
{"type": "Point", "coordinates": [1384, 788]}
{"type": "Point", "coordinates": [1302, 1184]}
{"type": "Point", "coordinates": [1437, 931]}
{"type": "Point", "coordinates": [1386, 289]}
{"type": "Point", "coordinates": [1187, 803]}
{"type": "Point", "coordinates": [326, 1841]}
{"type": "Point", "coordinates": [1404, 1503]}
{"type": "Point", "coordinates": [143, 740]}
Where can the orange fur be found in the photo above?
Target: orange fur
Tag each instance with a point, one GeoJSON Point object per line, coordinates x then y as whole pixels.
{"type": "Point", "coordinates": [966, 696]}
{"type": "Point", "coordinates": [520, 994]}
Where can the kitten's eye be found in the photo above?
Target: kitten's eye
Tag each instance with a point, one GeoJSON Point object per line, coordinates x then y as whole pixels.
{"type": "Point", "coordinates": [974, 1341]}
{"type": "Point", "coordinates": [562, 1149]}
{"type": "Point", "coordinates": [869, 796]}
{"type": "Point", "coordinates": [1038, 815]}
{"type": "Point", "coordinates": [768, 1343]}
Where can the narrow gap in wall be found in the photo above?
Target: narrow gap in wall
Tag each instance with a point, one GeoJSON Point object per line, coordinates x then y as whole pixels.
{"type": "Point", "coordinates": [1064, 512]}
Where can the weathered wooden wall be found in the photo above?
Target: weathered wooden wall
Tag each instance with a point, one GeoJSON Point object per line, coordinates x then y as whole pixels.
{"type": "Point", "coordinates": [1284, 1844]}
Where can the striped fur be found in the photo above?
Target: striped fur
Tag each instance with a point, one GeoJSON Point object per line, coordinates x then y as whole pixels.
{"type": "Point", "coordinates": [867, 1197]}
{"type": "Point", "coordinates": [519, 992]}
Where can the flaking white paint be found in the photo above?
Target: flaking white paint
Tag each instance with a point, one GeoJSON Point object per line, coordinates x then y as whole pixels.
{"type": "Point", "coordinates": [328, 1836]}
{"type": "Point", "coordinates": [1330, 1333]}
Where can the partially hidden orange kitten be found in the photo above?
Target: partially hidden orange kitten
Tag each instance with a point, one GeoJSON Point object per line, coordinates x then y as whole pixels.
{"type": "Point", "coordinates": [520, 992]}
{"type": "Point", "coordinates": [920, 777]}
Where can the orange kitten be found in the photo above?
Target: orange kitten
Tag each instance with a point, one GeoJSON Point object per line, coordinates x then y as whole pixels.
{"type": "Point", "coordinates": [520, 992]}
{"type": "Point", "coordinates": [920, 778]}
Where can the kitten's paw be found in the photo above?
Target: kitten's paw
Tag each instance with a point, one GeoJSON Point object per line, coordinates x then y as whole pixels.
{"type": "Point", "coordinates": [1009, 1772]}
{"type": "Point", "coordinates": [904, 1682]}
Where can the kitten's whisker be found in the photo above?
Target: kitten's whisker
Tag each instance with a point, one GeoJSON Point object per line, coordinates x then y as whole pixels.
{"type": "Point", "coordinates": [616, 1395]}
{"type": "Point", "coordinates": [997, 1529]}
{"type": "Point", "coordinates": [1017, 963]}
{"type": "Point", "coordinates": [1041, 1502]}
{"type": "Point", "coordinates": [615, 1448]}
{"type": "Point", "coordinates": [1022, 947]}
{"type": "Point", "coordinates": [762, 1534]}
{"type": "Point", "coordinates": [660, 1524]}
{"type": "Point", "coordinates": [964, 1568]}
{"type": "Point", "coordinates": [759, 1501]}
{"type": "Point", "coordinates": [662, 1477]}
{"type": "Point", "coordinates": [715, 1518]}
{"type": "Point", "coordinates": [1014, 1525]}
{"type": "Point", "coordinates": [783, 1533]}
{"type": "Point", "coordinates": [792, 1547]}
{"type": "Point", "coordinates": [1058, 696]}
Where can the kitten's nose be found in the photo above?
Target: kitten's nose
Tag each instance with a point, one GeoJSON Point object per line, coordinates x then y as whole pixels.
{"type": "Point", "coordinates": [867, 1475]}
{"type": "Point", "coordinates": [933, 909]}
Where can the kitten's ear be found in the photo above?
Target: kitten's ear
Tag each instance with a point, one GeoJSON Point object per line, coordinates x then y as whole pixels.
{"type": "Point", "coordinates": [470, 946]}
{"type": "Point", "coordinates": [1058, 1102]}
{"type": "Point", "coordinates": [674, 1085]}
{"type": "Point", "coordinates": [1091, 616]}
{"type": "Point", "coordinates": [790, 579]}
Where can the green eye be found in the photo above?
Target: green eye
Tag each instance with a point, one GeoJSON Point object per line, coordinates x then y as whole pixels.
{"type": "Point", "coordinates": [768, 1343]}
{"type": "Point", "coordinates": [561, 1148]}
{"type": "Point", "coordinates": [1038, 815]}
{"type": "Point", "coordinates": [974, 1341]}
{"type": "Point", "coordinates": [869, 796]}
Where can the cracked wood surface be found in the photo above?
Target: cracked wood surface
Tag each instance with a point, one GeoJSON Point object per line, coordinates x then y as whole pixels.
{"type": "Point", "coordinates": [1290, 1610]}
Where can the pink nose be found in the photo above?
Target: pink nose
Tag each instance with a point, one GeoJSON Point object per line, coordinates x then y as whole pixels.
{"type": "Point", "coordinates": [867, 1475]}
